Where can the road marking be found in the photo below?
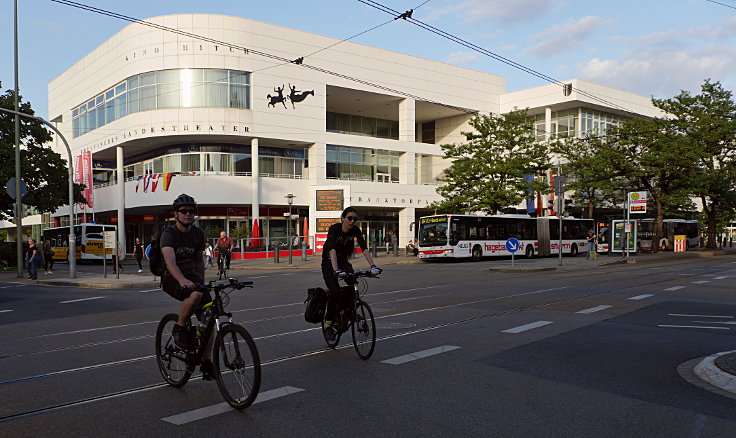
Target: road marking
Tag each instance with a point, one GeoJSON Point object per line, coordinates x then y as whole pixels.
{"type": "Point", "coordinates": [715, 322]}
{"type": "Point", "coordinates": [13, 285]}
{"type": "Point", "coordinates": [81, 299]}
{"type": "Point", "coordinates": [593, 310]}
{"type": "Point", "coordinates": [419, 355]}
{"type": "Point", "coordinates": [700, 316]}
{"type": "Point", "coordinates": [701, 281]}
{"type": "Point", "coordinates": [674, 288]}
{"type": "Point", "coordinates": [150, 290]}
{"type": "Point", "coordinates": [688, 274]}
{"type": "Point", "coordinates": [640, 297]}
{"type": "Point", "coordinates": [721, 277]}
{"type": "Point", "coordinates": [525, 327]}
{"type": "Point", "coordinates": [693, 326]}
{"type": "Point", "coordinates": [5, 311]}
{"type": "Point", "coordinates": [209, 411]}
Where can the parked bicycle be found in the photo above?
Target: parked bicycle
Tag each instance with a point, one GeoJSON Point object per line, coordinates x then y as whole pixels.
{"type": "Point", "coordinates": [352, 313]}
{"type": "Point", "coordinates": [222, 268]}
{"type": "Point", "coordinates": [237, 365]}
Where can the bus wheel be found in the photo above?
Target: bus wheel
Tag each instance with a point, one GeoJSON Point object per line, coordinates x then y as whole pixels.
{"type": "Point", "coordinates": [477, 253]}
{"type": "Point", "coordinates": [573, 250]}
{"type": "Point", "coordinates": [529, 252]}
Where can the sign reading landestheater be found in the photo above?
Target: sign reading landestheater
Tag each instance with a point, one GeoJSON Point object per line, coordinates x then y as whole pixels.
{"type": "Point", "coordinates": [330, 200]}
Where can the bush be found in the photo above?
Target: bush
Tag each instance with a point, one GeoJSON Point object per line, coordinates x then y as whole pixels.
{"type": "Point", "coordinates": [7, 254]}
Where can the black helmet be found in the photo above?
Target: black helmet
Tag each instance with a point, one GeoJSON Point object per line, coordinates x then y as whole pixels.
{"type": "Point", "coordinates": [184, 200]}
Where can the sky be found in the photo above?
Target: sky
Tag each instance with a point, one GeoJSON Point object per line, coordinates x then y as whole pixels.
{"type": "Point", "coordinates": [649, 47]}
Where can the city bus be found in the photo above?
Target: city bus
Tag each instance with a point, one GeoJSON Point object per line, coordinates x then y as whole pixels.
{"type": "Point", "coordinates": [89, 241]}
{"type": "Point", "coordinates": [475, 237]}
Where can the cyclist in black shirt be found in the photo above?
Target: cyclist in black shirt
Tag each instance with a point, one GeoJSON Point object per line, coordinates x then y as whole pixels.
{"type": "Point", "coordinates": [337, 249]}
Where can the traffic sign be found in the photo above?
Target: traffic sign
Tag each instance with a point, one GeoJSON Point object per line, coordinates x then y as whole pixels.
{"type": "Point", "coordinates": [638, 202]}
{"type": "Point", "coordinates": [10, 188]}
{"type": "Point", "coordinates": [512, 245]}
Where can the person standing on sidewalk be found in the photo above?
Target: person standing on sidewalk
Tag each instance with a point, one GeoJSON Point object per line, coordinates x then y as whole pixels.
{"type": "Point", "coordinates": [33, 256]}
{"type": "Point", "coordinates": [48, 258]}
{"type": "Point", "coordinates": [208, 255]}
{"type": "Point", "coordinates": [138, 253]}
{"type": "Point", "coordinates": [590, 239]}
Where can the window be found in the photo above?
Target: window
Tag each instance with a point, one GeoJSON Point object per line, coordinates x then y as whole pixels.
{"type": "Point", "coordinates": [358, 125]}
{"type": "Point", "coordinates": [358, 164]}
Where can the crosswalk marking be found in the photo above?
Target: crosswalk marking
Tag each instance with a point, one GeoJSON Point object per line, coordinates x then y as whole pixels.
{"type": "Point", "coordinates": [209, 411]}
{"type": "Point", "coordinates": [525, 327]}
{"type": "Point", "coordinates": [593, 310]}
{"type": "Point", "coordinates": [419, 355]}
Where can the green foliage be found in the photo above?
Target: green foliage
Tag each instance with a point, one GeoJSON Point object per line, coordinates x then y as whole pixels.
{"type": "Point", "coordinates": [43, 170]}
{"type": "Point", "coordinates": [487, 172]}
{"type": "Point", "coordinates": [242, 231]}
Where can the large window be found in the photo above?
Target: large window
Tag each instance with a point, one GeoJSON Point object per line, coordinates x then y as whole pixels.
{"type": "Point", "coordinates": [358, 164]}
{"type": "Point", "coordinates": [358, 125]}
{"type": "Point", "coordinates": [181, 88]}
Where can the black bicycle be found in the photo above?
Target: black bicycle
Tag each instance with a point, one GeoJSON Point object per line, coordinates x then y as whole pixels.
{"type": "Point", "coordinates": [222, 268]}
{"type": "Point", "coordinates": [237, 365]}
{"type": "Point", "coordinates": [353, 314]}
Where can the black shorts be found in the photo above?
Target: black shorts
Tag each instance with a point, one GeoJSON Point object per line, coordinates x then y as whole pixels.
{"type": "Point", "coordinates": [172, 288]}
{"type": "Point", "coordinates": [329, 274]}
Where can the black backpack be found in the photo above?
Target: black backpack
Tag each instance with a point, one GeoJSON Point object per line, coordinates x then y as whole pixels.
{"type": "Point", "coordinates": [316, 300]}
{"type": "Point", "coordinates": [156, 258]}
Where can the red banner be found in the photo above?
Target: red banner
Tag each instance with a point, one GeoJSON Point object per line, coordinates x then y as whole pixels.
{"type": "Point", "coordinates": [88, 194]}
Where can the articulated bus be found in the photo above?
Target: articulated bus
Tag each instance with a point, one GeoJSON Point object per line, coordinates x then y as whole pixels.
{"type": "Point", "coordinates": [475, 237]}
{"type": "Point", "coordinates": [89, 241]}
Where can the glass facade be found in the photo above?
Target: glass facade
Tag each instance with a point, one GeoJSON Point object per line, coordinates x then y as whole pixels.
{"type": "Point", "coordinates": [358, 164]}
{"type": "Point", "coordinates": [598, 122]}
{"type": "Point", "coordinates": [180, 88]}
{"type": "Point", "coordinates": [358, 125]}
{"type": "Point", "coordinates": [576, 121]}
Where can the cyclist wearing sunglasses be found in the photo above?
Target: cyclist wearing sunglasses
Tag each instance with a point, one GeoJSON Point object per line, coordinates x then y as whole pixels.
{"type": "Point", "coordinates": [337, 249]}
{"type": "Point", "coordinates": [182, 246]}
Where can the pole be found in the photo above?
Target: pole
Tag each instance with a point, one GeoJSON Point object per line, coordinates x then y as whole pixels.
{"type": "Point", "coordinates": [72, 238]}
{"type": "Point", "coordinates": [559, 216]}
{"type": "Point", "coordinates": [627, 227]}
{"type": "Point", "coordinates": [18, 201]}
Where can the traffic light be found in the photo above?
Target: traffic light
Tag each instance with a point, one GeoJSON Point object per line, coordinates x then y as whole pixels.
{"type": "Point", "coordinates": [568, 207]}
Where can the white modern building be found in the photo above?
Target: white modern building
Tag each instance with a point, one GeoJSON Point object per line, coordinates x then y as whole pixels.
{"type": "Point", "coordinates": [163, 113]}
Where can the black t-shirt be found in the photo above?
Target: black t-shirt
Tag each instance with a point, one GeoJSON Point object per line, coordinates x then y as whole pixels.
{"type": "Point", "coordinates": [341, 242]}
{"type": "Point", "coordinates": [187, 247]}
{"type": "Point", "coordinates": [138, 250]}
{"type": "Point", "coordinates": [30, 250]}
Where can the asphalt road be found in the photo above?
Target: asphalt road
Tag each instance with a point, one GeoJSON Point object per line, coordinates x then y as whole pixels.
{"type": "Point", "coordinates": [600, 352]}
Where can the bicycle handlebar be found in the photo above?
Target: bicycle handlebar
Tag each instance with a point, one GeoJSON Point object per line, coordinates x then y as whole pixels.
{"type": "Point", "coordinates": [231, 283]}
{"type": "Point", "coordinates": [359, 273]}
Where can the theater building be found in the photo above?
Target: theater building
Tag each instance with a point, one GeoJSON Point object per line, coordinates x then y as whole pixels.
{"type": "Point", "coordinates": [229, 120]}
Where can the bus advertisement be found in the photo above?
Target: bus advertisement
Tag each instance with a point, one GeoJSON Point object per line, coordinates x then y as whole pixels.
{"type": "Point", "coordinates": [90, 241]}
{"type": "Point", "coordinates": [475, 237]}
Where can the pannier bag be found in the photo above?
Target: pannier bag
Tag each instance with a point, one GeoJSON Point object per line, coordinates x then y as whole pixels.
{"type": "Point", "coordinates": [316, 300]}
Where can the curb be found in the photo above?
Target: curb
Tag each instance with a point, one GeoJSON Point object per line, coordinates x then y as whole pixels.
{"type": "Point", "coordinates": [100, 285]}
{"type": "Point", "coordinates": [521, 269]}
{"type": "Point", "coordinates": [709, 372]}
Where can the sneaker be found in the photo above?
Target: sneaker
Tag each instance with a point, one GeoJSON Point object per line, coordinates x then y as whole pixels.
{"type": "Point", "coordinates": [208, 370]}
{"type": "Point", "coordinates": [180, 337]}
{"type": "Point", "coordinates": [140, 270]}
{"type": "Point", "coordinates": [329, 333]}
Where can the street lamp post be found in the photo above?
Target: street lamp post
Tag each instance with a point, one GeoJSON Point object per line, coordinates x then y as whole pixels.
{"type": "Point", "coordinates": [290, 199]}
{"type": "Point", "coordinates": [72, 237]}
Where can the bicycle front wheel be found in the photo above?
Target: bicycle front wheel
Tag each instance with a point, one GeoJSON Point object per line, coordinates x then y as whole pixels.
{"type": "Point", "coordinates": [172, 361]}
{"type": "Point", "coordinates": [237, 366]}
{"type": "Point", "coordinates": [364, 330]}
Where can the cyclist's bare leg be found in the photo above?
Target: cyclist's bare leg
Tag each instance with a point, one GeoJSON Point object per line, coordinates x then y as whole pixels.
{"type": "Point", "coordinates": [188, 307]}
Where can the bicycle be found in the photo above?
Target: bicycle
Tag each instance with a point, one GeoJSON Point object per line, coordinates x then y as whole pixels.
{"type": "Point", "coordinates": [237, 365]}
{"type": "Point", "coordinates": [353, 313]}
{"type": "Point", "coordinates": [222, 268]}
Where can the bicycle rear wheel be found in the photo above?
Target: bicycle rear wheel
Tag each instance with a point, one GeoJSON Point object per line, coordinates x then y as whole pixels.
{"type": "Point", "coordinates": [172, 361]}
{"type": "Point", "coordinates": [237, 366]}
{"type": "Point", "coordinates": [364, 330]}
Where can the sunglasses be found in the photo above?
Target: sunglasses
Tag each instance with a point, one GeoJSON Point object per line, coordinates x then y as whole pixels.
{"type": "Point", "coordinates": [352, 218]}
{"type": "Point", "coordinates": [187, 210]}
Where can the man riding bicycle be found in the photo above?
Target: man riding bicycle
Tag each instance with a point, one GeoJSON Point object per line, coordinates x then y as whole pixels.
{"type": "Point", "coordinates": [337, 249]}
{"type": "Point", "coordinates": [225, 246]}
{"type": "Point", "coordinates": [182, 246]}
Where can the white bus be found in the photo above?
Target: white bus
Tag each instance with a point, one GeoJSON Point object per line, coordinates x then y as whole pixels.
{"type": "Point", "coordinates": [89, 241]}
{"type": "Point", "coordinates": [475, 237]}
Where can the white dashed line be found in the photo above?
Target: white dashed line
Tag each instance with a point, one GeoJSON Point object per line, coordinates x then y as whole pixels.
{"type": "Point", "coordinates": [693, 326]}
{"type": "Point", "coordinates": [701, 281]}
{"type": "Point", "coordinates": [149, 290]}
{"type": "Point", "coordinates": [699, 316]}
{"type": "Point", "coordinates": [81, 299]}
{"type": "Point", "coordinates": [722, 277]}
{"type": "Point", "coordinates": [674, 288]}
{"type": "Point", "coordinates": [209, 411]}
{"type": "Point", "coordinates": [640, 297]}
{"type": "Point", "coordinates": [5, 311]}
{"type": "Point", "coordinates": [525, 327]}
{"type": "Point", "coordinates": [593, 310]}
{"type": "Point", "coordinates": [13, 285]}
{"type": "Point", "coordinates": [419, 355]}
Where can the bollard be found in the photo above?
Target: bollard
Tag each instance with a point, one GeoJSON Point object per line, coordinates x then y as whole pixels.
{"type": "Point", "coordinates": [304, 251]}
{"type": "Point", "coordinates": [275, 252]}
{"type": "Point", "coordinates": [373, 248]}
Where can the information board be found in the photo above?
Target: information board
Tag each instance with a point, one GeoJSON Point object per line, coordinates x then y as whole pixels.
{"type": "Point", "coordinates": [323, 224]}
{"type": "Point", "coordinates": [329, 200]}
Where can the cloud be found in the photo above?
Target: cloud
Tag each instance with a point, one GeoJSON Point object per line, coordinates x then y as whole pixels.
{"type": "Point", "coordinates": [567, 36]}
{"type": "Point", "coordinates": [461, 57]}
{"type": "Point", "coordinates": [496, 11]}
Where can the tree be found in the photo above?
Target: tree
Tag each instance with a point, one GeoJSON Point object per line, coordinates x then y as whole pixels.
{"type": "Point", "coordinates": [590, 162]}
{"type": "Point", "coordinates": [708, 121]}
{"type": "Point", "coordinates": [487, 172]}
{"type": "Point", "coordinates": [43, 170]}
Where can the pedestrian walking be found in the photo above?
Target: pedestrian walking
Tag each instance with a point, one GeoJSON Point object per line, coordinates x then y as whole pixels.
{"type": "Point", "coordinates": [208, 255]}
{"type": "Point", "coordinates": [48, 258]}
{"type": "Point", "coordinates": [590, 239]}
{"type": "Point", "coordinates": [138, 253]}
